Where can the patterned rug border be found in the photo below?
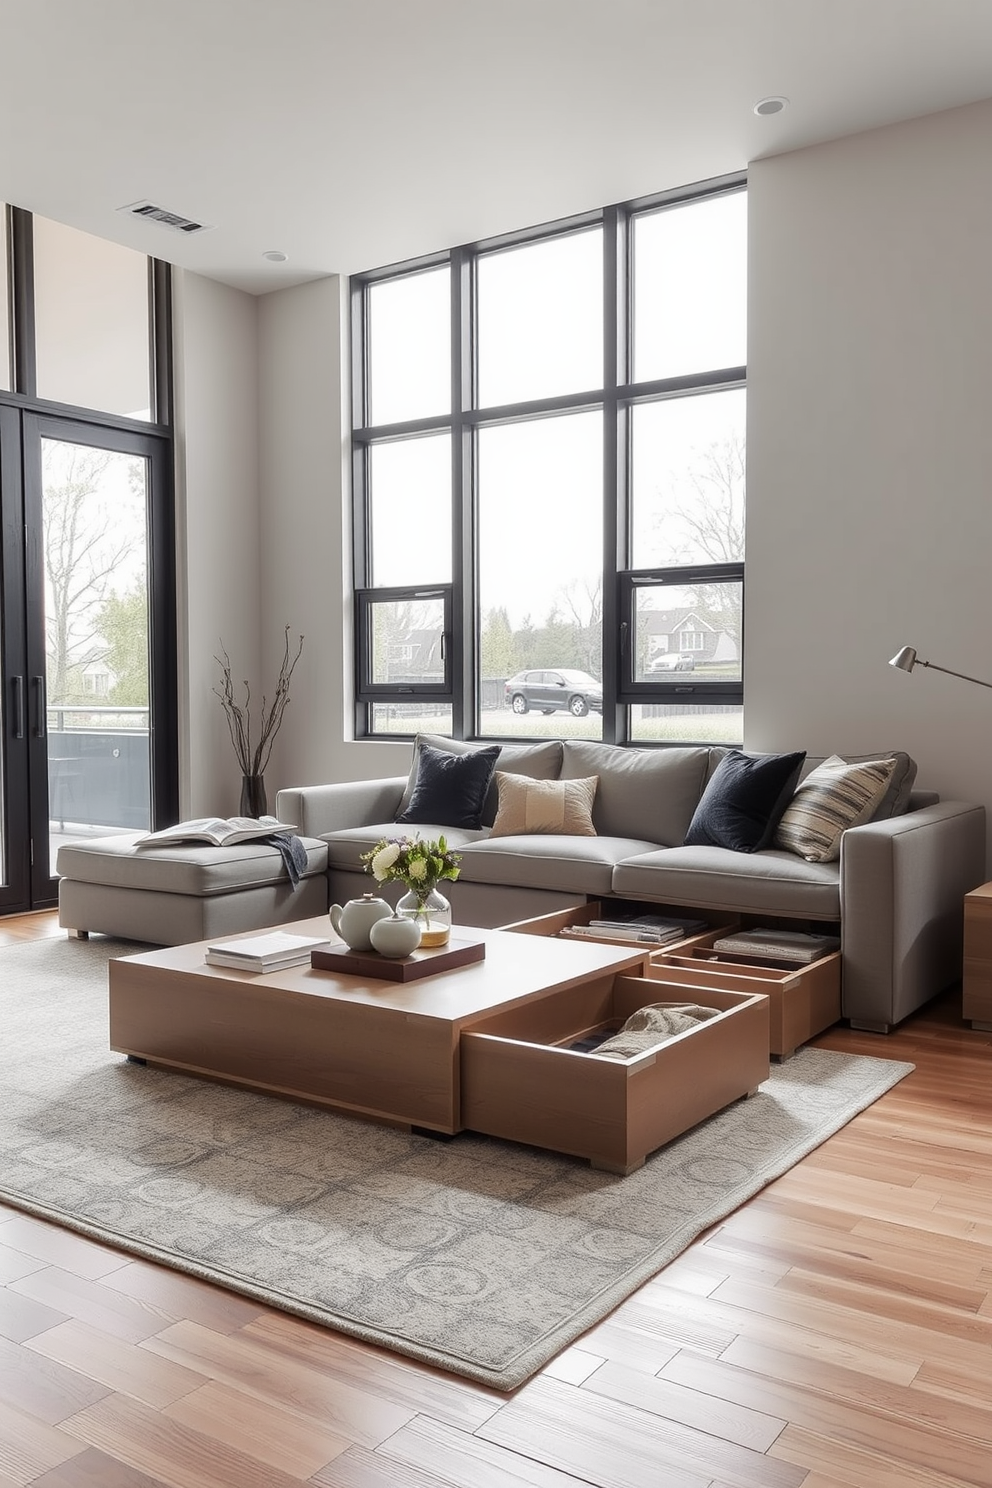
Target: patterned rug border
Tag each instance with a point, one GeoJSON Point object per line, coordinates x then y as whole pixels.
{"type": "Point", "coordinates": [530, 1358]}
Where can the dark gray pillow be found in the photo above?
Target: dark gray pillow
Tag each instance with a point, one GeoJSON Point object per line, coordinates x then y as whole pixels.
{"type": "Point", "coordinates": [539, 761]}
{"type": "Point", "coordinates": [744, 800]}
{"type": "Point", "coordinates": [450, 789]}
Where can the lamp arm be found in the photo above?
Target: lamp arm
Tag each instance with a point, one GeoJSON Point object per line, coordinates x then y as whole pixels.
{"type": "Point", "coordinates": [963, 675]}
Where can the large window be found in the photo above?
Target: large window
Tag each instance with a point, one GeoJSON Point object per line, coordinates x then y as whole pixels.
{"type": "Point", "coordinates": [549, 456]}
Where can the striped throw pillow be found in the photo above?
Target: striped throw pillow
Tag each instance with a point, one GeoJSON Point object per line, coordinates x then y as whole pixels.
{"type": "Point", "coordinates": [832, 798]}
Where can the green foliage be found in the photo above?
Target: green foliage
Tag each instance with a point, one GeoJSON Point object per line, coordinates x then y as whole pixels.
{"type": "Point", "coordinates": [123, 623]}
{"type": "Point", "coordinates": [419, 865]}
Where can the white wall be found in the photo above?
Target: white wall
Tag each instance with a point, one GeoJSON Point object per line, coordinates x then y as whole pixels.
{"type": "Point", "coordinates": [869, 458]}
{"type": "Point", "coordinates": [218, 523]}
{"type": "Point", "coordinates": [870, 447]}
{"type": "Point", "coordinates": [304, 452]}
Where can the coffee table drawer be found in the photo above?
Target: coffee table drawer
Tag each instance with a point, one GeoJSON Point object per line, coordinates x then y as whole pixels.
{"type": "Point", "coordinates": [803, 1000]}
{"type": "Point", "coordinates": [520, 1081]}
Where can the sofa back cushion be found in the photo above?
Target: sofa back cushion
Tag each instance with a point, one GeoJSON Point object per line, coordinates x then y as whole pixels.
{"type": "Point", "coordinates": [647, 795]}
{"type": "Point", "coordinates": [538, 761]}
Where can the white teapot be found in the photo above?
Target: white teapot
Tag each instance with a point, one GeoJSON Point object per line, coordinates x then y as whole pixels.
{"type": "Point", "coordinates": [356, 919]}
{"type": "Point", "coordinates": [397, 936]}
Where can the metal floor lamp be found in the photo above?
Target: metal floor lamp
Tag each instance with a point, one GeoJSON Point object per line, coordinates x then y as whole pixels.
{"type": "Point", "coordinates": [907, 658]}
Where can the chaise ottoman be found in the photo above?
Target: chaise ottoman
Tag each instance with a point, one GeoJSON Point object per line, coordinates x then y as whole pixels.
{"type": "Point", "coordinates": [170, 895]}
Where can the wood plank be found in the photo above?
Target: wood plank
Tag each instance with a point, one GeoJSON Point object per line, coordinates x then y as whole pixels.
{"type": "Point", "coordinates": [46, 1388]}
{"type": "Point", "coordinates": [23, 1317]}
{"type": "Point", "coordinates": [856, 1467]}
{"type": "Point", "coordinates": [663, 1395]}
{"type": "Point", "coordinates": [429, 1447]}
{"type": "Point", "coordinates": [266, 1432]}
{"type": "Point", "coordinates": [117, 1365]}
{"type": "Point", "coordinates": [621, 1446]}
{"type": "Point", "coordinates": [414, 1386]}
{"type": "Point", "coordinates": [29, 1447]}
{"type": "Point", "coordinates": [173, 1296]}
{"type": "Point", "coordinates": [88, 1302]}
{"type": "Point", "coordinates": [94, 1469]}
{"type": "Point", "coordinates": [61, 1248]}
{"type": "Point", "coordinates": [888, 1419]}
{"type": "Point", "coordinates": [250, 1365]}
{"type": "Point", "coordinates": [149, 1441]}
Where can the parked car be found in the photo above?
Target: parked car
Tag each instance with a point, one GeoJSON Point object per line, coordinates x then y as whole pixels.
{"type": "Point", "coordinates": [554, 688]}
{"type": "Point", "coordinates": [671, 661]}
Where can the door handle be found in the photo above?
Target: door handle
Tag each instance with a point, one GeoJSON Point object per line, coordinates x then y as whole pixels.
{"type": "Point", "coordinates": [41, 717]}
{"type": "Point", "coordinates": [17, 687]}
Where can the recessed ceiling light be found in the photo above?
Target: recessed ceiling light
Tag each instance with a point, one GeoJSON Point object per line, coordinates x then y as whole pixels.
{"type": "Point", "coordinates": [275, 255]}
{"type": "Point", "coordinates": [772, 105]}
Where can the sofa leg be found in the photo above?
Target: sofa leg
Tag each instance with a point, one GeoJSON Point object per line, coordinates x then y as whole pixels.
{"type": "Point", "coordinates": [863, 1027]}
{"type": "Point", "coordinates": [78, 934]}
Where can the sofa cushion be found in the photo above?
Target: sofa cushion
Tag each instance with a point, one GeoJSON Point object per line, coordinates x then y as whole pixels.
{"type": "Point", "coordinates": [743, 801]}
{"type": "Point", "coordinates": [187, 868]}
{"type": "Point", "coordinates": [346, 845]}
{"type": "Point", "coordinates": [538, 761]}
{"type": "Point", "coordinates": [577, 865]}
{"type": "Point", "coordinates": [450, 788]}
{"type": "Point", "coordinates": [532, 807]}
{"type": "Point", "coordinates": [896, 798]}
{"type": "Point", "coordinates": [768, 882]}
{"type": "Point", "coordinates": [831, 799]}
{"type": "Point", "coordinates": [646, 794]}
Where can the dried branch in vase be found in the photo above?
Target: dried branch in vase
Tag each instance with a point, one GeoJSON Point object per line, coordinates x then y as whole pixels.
{"type": "Point", "coordinates": [253, 758]}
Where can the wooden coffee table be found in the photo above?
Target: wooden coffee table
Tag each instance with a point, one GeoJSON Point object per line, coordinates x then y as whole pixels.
{"type": "Point", "coordinates": [381, 1048]}
{"type": "Point", "coordinates": [398, 1051]}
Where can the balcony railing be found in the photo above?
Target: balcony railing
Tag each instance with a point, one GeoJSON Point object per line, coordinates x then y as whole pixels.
{"type": "Point", "coordinates": [99, 766]}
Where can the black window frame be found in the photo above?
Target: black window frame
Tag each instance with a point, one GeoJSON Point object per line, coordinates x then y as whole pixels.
{"type": "Point", "coordinates": [615, 398]}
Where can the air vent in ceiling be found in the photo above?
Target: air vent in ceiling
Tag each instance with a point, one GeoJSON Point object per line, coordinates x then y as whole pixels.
{"type": "Point", "coordinates": [164, 217]}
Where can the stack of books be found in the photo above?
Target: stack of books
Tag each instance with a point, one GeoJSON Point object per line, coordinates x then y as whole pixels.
{"type": "Point", "coordinates": [646, 929]}
{"type": "Point", "coordinates": [784, 945]}
{"type": "Point", "coordinates": [272, 952]}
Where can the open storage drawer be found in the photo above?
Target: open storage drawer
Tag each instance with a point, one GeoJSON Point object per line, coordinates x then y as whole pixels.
{"type": "Point", "coordinates": [563, 921]}
{"type": "Point", "coordinates": [519, 1080]}
{"type": "Point", "coordinates": [803, 1000]}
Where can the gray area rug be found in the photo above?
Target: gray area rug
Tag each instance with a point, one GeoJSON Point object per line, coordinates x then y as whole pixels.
{"type": "Point", "coordinates": [476, 1255]}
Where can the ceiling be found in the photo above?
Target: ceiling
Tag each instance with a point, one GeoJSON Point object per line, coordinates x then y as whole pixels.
{"type": "Point", "coordinates": [348, 134]}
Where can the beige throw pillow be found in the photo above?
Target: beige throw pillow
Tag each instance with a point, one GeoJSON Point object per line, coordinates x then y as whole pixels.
{"type": "Point", "coordinates": [550, 806]}
{"type": "Point", "coordinates": [833, 797]}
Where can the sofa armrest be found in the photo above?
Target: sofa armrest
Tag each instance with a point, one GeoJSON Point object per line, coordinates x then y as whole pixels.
{"type": "Point", "coordinates": [327, 808]}
{"type": "Point", "coordinates": [902, 888]}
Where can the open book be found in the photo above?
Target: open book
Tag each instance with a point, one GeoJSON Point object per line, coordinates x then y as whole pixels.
{"type": "Point", "coordinates": [217, 830]}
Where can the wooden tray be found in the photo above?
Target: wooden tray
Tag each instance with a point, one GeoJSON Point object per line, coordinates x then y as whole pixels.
{"type": "Point", "coordinates": [425, 961]}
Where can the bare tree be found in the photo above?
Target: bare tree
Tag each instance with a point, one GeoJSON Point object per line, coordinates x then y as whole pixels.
{"type": "Point", "coordinates": [84, 547]}
{"type": "Point", "coordinates": [714, 528]}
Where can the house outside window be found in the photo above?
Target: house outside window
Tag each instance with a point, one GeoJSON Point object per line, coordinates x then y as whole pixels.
{"type": "Point", "coordinates": [548, 472]}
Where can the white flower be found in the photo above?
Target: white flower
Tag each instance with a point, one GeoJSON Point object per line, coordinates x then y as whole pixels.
{"type": "Point", "coordinates": [417, 869]}
{"type": "Point", "coordinates": [384, 860]}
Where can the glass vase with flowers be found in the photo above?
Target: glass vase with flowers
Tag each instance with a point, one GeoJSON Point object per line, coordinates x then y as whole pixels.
{"type": "Point", "coordinates": [420, 866]}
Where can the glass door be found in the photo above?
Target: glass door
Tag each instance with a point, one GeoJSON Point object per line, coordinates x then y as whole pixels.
{"type": "Point", "coordinates": [15, 851]}
{"type": "Point", "coordinates": [89, 684]}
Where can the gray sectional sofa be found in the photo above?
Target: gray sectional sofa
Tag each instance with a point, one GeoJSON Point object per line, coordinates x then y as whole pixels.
{"type": "Point", "coordinates": [896, 892]}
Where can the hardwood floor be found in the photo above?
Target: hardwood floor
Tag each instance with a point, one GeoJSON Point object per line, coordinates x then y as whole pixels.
{"type": "Point", "coordinates": [836, 1332]}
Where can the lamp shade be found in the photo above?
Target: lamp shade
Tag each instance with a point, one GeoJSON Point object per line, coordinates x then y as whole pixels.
{"type": "Point", "coordinates": [905, 659]}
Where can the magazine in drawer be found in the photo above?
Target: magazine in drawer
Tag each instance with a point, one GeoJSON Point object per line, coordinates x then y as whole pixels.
{"type": "Point", "coordinates": [803, 1000]}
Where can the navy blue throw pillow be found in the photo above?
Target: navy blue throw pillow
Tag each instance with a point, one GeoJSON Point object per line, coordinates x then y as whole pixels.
{"type": "Point", "coordinates": [741, 806]}
{"type": "Point", "coordinates": [451, 788]}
